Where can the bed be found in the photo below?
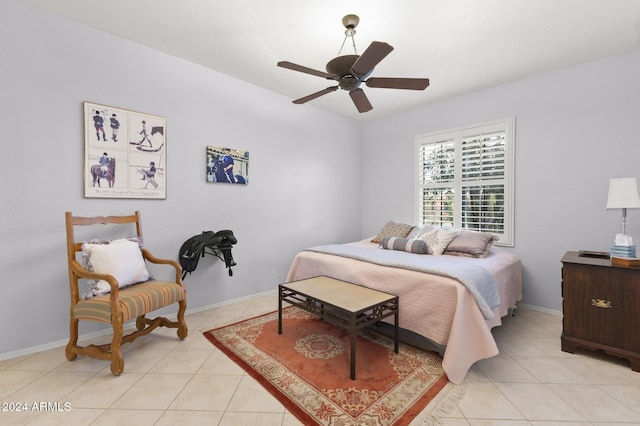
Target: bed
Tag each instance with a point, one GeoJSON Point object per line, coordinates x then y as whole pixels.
{"type": "Point", "coordinates": [433, 304]}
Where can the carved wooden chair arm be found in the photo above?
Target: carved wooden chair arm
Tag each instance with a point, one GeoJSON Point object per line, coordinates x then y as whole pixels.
{"type": "Point", "coordinates": [151, 258]}
{"type": "Point", "coordinates": [81, 272]}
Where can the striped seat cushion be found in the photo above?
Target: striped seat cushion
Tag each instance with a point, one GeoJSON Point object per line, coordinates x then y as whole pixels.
{"type": "Point", "coordinates": [134, 301]}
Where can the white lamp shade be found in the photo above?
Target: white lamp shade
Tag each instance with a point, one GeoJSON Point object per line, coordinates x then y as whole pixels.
{"type": "Point", "coordinates": [623, 194]}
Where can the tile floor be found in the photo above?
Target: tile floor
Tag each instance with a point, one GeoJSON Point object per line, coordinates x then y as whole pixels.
{"type": "Point", "coordinates": [168, 381]}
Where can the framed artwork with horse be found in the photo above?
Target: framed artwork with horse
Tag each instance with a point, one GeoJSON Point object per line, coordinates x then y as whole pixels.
{"type": "Point", "coordinates": [227, 165]}
{"type": "Point", "coordinates": [125, 153]}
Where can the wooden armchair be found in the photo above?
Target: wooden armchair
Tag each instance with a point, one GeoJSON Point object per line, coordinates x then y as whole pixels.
{"type": "Point", "coordinates": [121, 303]}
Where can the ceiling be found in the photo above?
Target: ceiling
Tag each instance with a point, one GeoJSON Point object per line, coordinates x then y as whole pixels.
{"type": "Point", "coordinates": [462, 46]}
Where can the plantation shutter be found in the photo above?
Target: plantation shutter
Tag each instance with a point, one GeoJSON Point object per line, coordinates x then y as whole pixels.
{"type": "Point", "coordinates": [437, 175]}
{"type": "Point", "coordinates": [465, 179]}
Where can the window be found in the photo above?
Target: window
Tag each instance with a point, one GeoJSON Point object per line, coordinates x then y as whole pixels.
{"type": "Point", "coordinates": [465, 178]}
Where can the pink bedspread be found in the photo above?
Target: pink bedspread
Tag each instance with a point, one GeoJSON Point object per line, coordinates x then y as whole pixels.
{"type": "Point", "coordinates": [437, 307]}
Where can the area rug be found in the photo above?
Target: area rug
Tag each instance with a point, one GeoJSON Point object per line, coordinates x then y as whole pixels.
{"type": "Point", "coordinates": [307, 369]}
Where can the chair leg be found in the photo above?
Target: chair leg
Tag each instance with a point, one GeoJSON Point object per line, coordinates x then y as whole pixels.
{"type": "Point", "coordinates": [73, 340]}
{"type": "Point", "coordinates": [182, 327]}
{"type": "Point", "coordinates": [117, 360]}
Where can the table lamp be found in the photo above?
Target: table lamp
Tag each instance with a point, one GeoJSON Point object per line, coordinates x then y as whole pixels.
{"type": "Point", "coordinates": [623, 194]}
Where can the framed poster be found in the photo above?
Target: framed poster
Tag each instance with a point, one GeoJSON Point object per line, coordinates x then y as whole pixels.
{"type": "Point", "coordinates": [227, 165]}
{"type": "Point", "coordinates": [125, 153]}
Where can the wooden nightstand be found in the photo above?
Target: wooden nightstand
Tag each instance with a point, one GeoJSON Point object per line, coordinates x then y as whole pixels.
{"type": "Point", "coordinates": [601, 307]}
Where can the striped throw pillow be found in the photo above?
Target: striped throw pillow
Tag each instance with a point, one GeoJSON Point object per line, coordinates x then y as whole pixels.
{"type": "Point", "coordinates": [405, 244]}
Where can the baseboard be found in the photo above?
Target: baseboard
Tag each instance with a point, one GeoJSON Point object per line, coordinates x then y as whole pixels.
{"type": "Point", "coordinates": [539, 309]}
{"type": "Point", "coordinates": [129, 325]}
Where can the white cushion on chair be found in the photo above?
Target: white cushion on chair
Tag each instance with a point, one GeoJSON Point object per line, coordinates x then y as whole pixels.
{"type": "Point", "coordinates": [121, 258]}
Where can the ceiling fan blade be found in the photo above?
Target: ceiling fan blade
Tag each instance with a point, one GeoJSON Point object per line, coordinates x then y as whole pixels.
{"type": "Point", "coordinates": [360, 100]}
{"type": "Point", "coordinates": [300, 68]}
{"type": "Point", "coordinates": [316, 95]}
{"type": "Point", "coordinates": [376, 52]}
{"type": "Point", "coordinates": [398, 83]}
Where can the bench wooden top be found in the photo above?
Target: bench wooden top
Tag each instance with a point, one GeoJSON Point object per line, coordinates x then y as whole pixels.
{"type": "Point", "coordinates": [344, 295]}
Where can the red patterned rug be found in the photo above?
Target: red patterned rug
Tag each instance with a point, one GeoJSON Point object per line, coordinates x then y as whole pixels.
{"type": "Point", "coordinates": [307, 369]}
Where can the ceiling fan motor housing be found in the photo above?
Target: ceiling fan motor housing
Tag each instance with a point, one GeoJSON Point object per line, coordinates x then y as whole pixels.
{"type": "Point", "coordinates": [340, 68]}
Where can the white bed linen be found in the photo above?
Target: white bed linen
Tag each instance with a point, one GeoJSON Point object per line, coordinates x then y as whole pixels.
{"type": "Point", "coordinates": [437, 307]}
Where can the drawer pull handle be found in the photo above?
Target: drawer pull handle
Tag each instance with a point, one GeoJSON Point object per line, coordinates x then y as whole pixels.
{"type": "Point", "coordinates": [601, 303]}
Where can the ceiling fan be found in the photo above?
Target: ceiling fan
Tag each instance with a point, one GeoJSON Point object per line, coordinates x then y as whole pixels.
{"type": "Point", "coordinates": [352, 70]}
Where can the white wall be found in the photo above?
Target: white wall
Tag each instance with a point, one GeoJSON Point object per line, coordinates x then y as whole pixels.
{"type": "Point", "coordinates": [575, 129]}
{"type": "Point", "coordinates": [304, 187]}
{"type": "Point", "coordinates": [315, 177]}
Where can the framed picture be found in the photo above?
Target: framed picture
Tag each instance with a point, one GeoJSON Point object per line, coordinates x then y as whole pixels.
{"type": "Point", "coordinates": [227, 165]}
{"type": "Point", "coordinates": [125, 153]}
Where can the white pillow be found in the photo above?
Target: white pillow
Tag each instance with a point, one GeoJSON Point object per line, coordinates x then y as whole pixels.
{"type": "Point", "coordinates": [121, 258]}
{"type": "Point", "coordinates": [438, 240]}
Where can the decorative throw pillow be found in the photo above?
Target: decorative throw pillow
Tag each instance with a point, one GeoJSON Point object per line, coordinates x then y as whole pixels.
{"type": "Point", "coordinates": [471, 244]}
{"type": "Point", "coordinates": [438, 239]}
{"type": "Point", "coordinates": [405, 244]}
{"type": "Point", "coordinates": [121, 258]}
{"type": "Point", "coordinates": [393, 229]}
{"type": "Point", "coordinates": [416, 231]}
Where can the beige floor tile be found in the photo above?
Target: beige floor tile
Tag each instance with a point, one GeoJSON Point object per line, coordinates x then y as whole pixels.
{"type": "Point", "coordinates": [235, 309]}
{"type": "Point", "coordinates": [484, 401]}
{"type": "Point", "coordinates": [140, 360]}
{"type": "Point", "coordinates": [223, 316]}
{"type": "Point", "coordinates": [517, 346]}
{"type": "Point", "coordinates": [504, 369]}
{"type": "Point", "coordinates": [84, 364]}
{"type": "Point", "coordinates": [262, 419]}
{"type": "Point", "coordinates": [207, 392]}
{"type": "Point", "coordinates": [550, 346]}
{"type": "Point", "coordinates": [76, 416]}
{"type": "Point", "coordinates": [172, 418]}
{"type": "Point", "coordinates": [183, 361]}
{"type": "Point", "coordinates": [18, 418]}
{"type": "Point", "coordinates": [595, 404]}
{"type": "Point", "coordinates": [453, 422]}
{"type": "Point", "coordinates": [51, 387]}
{"type": "Point", "coordinates": [549, 370]}
{"type": "Point", "coordinates": [537, 402]}
{"type": "Point", "coordinates": [250, 396]}
{"type": "Point", "coordinates": [476, 375]}
{"type": "Point", "coordinates": [101, 391]}
{"type": "Point", "coordinates": [196, 340]}
{"type": "Point", "coordinates": [12, 381]}
{"type": "Point", "coordinates": [219, 363]}
{"type": "Point", "coordinates": [628, 395]}
{"type": "Point", "coordinates": [194, 320]}
{"type": "Point", "coordinates": [161, 338]}
{"type": "Point", "coordinates": [128, 417]}
{"type": "Point", "coordinates": [262, 305]}
{"type": "Point", "coordinates": [590, 368]}
{"type": "Point", "coordinates": [42, 361]}
{"type": "Point", "coordinates": [8, 363]}
{"type": "Point", "coordinates": [153, 392]}
{"type": "Point", "coordinates": [634, 376]}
